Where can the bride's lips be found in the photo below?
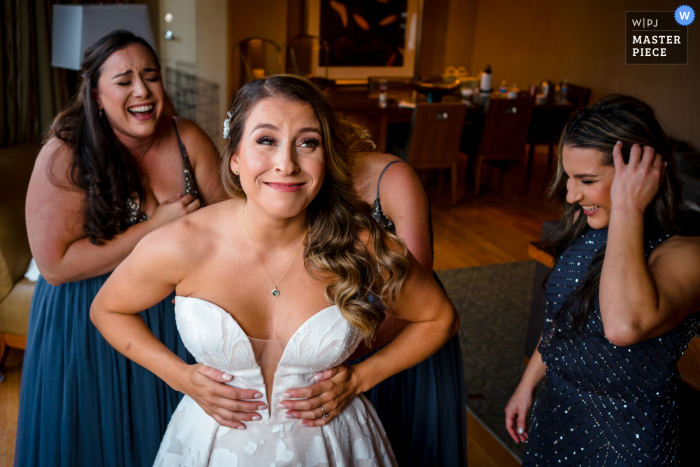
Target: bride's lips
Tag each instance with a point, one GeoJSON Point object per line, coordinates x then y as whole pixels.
{"type": "Point", "coordinates": [285, 187]}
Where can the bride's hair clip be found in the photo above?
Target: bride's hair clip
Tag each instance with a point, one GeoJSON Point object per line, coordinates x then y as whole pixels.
{"type": "Point", "coordinates": [227, 125]}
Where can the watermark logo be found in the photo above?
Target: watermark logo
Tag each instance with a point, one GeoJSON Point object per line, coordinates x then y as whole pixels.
{"type": "Point", "coordinates": [657, 37]}
{"type": "Point", "coordinates": [684, 15]}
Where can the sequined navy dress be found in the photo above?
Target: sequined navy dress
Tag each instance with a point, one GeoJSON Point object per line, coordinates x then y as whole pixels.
{"type": "Point", "coordinates": [601, 404]}
{"type": "Point", "coordinates": [81, 402]}
{"type": "Point", "coordinates": [423, 408]}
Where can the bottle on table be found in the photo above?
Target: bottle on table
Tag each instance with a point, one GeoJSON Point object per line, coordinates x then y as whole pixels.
{"type": "Point", "coordinates": [383, 86]}
{"type": "Point", "coordinates": [485, 87]}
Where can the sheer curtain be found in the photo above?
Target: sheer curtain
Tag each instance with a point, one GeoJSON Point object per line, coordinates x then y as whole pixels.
{"type": "Point", "coordinates": [31, 91]}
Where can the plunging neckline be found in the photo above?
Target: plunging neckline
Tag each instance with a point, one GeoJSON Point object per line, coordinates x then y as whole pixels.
{"type": "Point", "coordinates": [248, 342]}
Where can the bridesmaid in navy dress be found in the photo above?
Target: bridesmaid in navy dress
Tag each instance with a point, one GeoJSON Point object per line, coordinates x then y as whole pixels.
{"type": "Point", "coordinates": [622, 299]}
{"type": "Point", "coordinates": [423, 409]}
{"type": "Point", "coordinates": [112, 170]}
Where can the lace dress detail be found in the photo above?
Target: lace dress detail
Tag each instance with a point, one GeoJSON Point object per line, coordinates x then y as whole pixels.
{"type": "Point", "coordinates": [354, 438]}
{"type": "Point", "coordinates": [602, 404]}
{"type": "Point", "coordinates": [136, 215]}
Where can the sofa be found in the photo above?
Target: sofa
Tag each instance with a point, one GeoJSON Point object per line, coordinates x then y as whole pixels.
{"type": "Point", "coordinates": [16, 164]}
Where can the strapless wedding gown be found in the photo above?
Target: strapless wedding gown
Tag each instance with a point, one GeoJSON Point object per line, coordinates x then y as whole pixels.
{"type": "Point", "coordinates": [353, 438]}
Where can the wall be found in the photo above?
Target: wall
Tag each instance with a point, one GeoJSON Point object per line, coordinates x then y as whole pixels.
{"type": "Point", "coordinates": [212, 53]}
{"type": "Point", "coordinates": [583, 41]}
{"type": "Point", "coordinates": [447, 36]}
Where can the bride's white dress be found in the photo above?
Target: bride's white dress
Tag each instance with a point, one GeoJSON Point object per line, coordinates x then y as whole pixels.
{"type": "Point", "coordinates": [354, 438]}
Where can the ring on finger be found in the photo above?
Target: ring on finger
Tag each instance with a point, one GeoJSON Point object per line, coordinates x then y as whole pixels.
{"type": "Point", "coordinates": [325, 415]}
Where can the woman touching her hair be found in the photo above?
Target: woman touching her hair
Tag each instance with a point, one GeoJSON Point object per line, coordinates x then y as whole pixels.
{"type": "Point", "coordinates": [622, 298]}
{"type": "Point", "coordinates": [113, 169]}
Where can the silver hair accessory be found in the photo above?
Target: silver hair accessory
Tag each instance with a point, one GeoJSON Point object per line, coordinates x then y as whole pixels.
{"type": "Point", "coordinates": [227, 124]}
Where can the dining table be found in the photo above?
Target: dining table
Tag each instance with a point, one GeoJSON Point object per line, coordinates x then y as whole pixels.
{"type": "Point", "coordinates": [361, 106]}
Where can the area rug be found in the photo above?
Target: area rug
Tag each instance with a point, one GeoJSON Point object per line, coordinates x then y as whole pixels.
{"type": "Point", "coordinates": [494, 304]}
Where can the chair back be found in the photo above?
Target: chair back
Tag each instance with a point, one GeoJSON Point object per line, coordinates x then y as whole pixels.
{"type": "Point", "coordinates": [505, 127]}
{"type": "Point", "coordinates": [301, 51]}
{"type": "Point", "coordinates": [16, 164]}
{"type": "Point", "coordinates": [578, 95]}
{"type": "Point", "coordinates": [436, 130]}
{"type": "Point", "coordinates": [260, 57]}
{"type": "Point", "coordinates": [547, 123]}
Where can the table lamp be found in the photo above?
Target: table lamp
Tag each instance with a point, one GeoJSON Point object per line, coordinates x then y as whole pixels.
{"type": "Point", "coordinates": [76, 27]}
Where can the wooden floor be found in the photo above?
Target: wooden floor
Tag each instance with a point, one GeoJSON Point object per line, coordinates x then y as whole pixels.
{"type": "Point", "coordinates": [493, 228]}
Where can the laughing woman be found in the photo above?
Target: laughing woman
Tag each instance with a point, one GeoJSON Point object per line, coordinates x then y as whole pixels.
{"type": "Point", "coordinates": [113, 169]}
{"type": "Point", "coordinates": [622, 299]}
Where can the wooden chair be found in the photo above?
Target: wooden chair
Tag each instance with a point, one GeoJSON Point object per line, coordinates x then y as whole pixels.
{"type": "Point", "coordinates": [301, 50]}
{"type": "Point", "coordinates": [433, 142]}
{"type": "Point", "coordinates": [546, 125]}
{"type": "Point", "coordinates": [260, 57]}
{"type": "Point", "coordinates": [505, 133]}
{"type": "Point", "coordinates": [578, 95]}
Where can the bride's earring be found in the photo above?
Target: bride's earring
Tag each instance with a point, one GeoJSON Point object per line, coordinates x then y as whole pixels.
{"type": "Point", "coordinates": [100, 113]}
{"type": "Point", "coordinates": [236, 172]}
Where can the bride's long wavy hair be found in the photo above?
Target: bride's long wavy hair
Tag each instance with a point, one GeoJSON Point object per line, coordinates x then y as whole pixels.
{"type": "Point", "coordinates": [361, 273]}
{"type": "Point", "coordinates": [614, 118]}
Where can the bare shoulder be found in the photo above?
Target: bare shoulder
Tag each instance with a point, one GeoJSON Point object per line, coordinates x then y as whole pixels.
{"type": "Point", "coordinates": [193, 136]}
{"type": "Point", "coordinates": [686, 249]}
{"type": "Point", "coordinates": [54, 162]}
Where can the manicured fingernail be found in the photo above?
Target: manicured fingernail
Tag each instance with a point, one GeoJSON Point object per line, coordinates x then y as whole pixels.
{"type": "Point", "coordinates": [287, 394]}
{"type": "Point", "coordinates": [256, 417]}
{"type": "Point", "coordinates": [261, 407]}
{"type": "Point", "coordinates": [318, 376]}
{"type": "Point", "coordinates": [258, 395]}
{"type": "Point", "coordinates": [521, 431]}
{"type": "Point", "coordinates": [241, 428]}
{"type": "Point", "coordinates": [288, 415]}
{"type": "Point", "coordinates": [619, 142]}
{"type": "Point", "coordinates": [282, 406]}
{"type": "Point", "coordinates": [227, 377]}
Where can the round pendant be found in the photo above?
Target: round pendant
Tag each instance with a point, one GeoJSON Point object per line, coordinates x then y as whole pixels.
{"type": "Point", "coordinates": [275, 293]}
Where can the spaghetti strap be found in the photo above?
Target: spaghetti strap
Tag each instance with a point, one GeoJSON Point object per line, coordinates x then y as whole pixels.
{"type": "Point", "coordinates": [190, 185]}
{"type": "Point", "coordinates": [382, 174]}
{"type": "Point", "coordinates": [179, 141]}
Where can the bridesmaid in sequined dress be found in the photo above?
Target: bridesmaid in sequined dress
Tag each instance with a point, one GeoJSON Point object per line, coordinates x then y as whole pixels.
{"type": "Point", "coordinates": [113, 169]}
{"type": "Point", "coordinates": [622, 299]}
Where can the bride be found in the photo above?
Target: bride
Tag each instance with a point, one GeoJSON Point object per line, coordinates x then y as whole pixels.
{"type": "Point", "coordinates": [248, 303]}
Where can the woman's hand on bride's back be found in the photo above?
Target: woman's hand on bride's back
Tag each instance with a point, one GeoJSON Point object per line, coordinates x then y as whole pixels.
{"type": "Point", "coordinates": [174, 208]}
{"type": "Point", "coordinates": [335, 387]}
{"type": "Point", "coordinates": [228, 405]}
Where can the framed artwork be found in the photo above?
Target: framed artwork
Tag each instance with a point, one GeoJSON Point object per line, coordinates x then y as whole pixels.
{"type": "Point", "coordinates": [365, 37]}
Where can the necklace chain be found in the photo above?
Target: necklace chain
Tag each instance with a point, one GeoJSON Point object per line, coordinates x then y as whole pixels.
{"type": "Point", "coordinates": [275, 291]}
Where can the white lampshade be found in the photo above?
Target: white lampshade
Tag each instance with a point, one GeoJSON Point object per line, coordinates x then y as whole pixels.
{"type": "Point", "coordinates": [76, 27]}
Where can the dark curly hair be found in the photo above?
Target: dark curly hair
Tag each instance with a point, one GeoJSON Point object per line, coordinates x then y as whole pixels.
{"type": "Point", "coordinates": [101, 166]}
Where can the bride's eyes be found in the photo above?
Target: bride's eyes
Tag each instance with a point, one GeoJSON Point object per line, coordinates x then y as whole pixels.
{"type": "Point", "coordinates": [266, 140]}
{"type": "Point", "coordinates": [312, 143]}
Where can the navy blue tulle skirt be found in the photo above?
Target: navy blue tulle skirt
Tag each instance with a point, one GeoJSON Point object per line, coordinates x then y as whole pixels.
{"type": "Point", "coordinates": [81, 402]}
{"type": "Point", "coordinates": [424, 409]}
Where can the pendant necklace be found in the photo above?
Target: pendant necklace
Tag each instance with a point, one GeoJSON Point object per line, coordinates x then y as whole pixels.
{"type": "Point", "coordinates": [275, 291]}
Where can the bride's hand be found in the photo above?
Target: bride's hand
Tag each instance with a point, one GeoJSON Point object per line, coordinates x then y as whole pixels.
{"type": "Point", "coordinates": [335, 387]}
{"type": "Point", "coordinates": [220, 401]}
